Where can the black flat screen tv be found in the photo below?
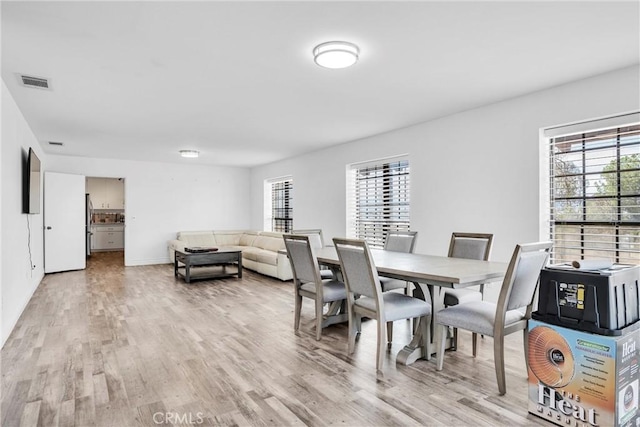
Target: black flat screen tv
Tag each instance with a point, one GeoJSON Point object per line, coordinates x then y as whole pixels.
{"type": "Point", "coordinates": [31, 186]}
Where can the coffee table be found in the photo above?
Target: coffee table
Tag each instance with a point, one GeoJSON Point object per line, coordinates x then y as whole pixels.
{"type": "Point", "coordinates": [208, 265]}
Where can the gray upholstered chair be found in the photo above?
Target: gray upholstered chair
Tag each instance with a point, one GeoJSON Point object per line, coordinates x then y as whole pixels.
{"type": "Point", "coordinates": [469, 246]}
{"type": "Point", "coordinates": [308, 283]}
{"type": "Point", "coordinates": [398, 241]}
{"type": "Point", "coordinates": [401, 241]}
{"type": "Point", "coordinates": [317, 242]}
{"type": "Point", "coordinates": [361, 278]}
{"type": "Point", "coordinates": [315, 236]}
{"type": "Point", "coordinates": [510, 314]}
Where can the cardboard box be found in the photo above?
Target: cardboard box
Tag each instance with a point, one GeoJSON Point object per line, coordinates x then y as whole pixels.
{"type": "Point", "coordinates": [580, 379]}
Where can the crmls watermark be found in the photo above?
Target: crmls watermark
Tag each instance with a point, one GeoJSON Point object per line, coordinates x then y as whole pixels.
{"type": "Point", "coordinates": [178, 418]}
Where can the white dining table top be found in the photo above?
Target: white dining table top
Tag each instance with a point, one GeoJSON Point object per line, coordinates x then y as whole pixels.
{"type": "Point", "coordinates": [430, 269]}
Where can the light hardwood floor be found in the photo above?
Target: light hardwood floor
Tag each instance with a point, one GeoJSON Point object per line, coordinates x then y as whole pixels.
{"type": "Point", "coordinates": [132, 346]}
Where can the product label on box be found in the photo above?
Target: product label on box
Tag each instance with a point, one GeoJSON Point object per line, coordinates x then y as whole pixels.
{"type": "Point", "coordinates": [571, 295]}
{"type": "Point", "coordinates": [582, 379]}
{"type": "Point", "coordinates": [628, 379]}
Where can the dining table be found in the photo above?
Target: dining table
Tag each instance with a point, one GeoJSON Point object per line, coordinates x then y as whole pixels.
{"type": "Point", "coordinates": [431, 275]}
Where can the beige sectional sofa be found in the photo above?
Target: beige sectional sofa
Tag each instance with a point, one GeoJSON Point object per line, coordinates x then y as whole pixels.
{"type": "Point", "coordinates": [261, 250]}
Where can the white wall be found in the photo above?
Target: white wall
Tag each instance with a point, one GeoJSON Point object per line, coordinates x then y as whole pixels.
{"type": "Point", "coordinates": [162, 199]}
{"type": "Point", "coordinates": [19, 280]}
{"type": "Point", "coordinates": [472, 171]}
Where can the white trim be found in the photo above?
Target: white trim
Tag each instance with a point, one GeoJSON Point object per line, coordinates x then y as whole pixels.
{"type": "Point", "coordinates": [278, 179]}
{"type": "Point", "coordinates": [375, 162]}
{"type": "Point", "coordinates": [618, 120]}
{"type": "Point", "coordinates": [545, 183]}
{"type": "Point", "coordinates": [10, 325]}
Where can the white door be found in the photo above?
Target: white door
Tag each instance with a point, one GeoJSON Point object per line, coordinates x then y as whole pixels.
{"type": "Point", "coordinates": [64, 222]}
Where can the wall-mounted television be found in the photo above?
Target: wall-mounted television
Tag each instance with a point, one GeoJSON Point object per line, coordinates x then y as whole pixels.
{"type": "Point", "coordinates": [31, 185]}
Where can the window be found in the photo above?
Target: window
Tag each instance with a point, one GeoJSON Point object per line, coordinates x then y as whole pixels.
{"type": "Point", "coordinates": [378, 199]}
{"type": "Point", "coordinates": [279, 205]}
{"type": "Point", "coordinates": [595, 193]}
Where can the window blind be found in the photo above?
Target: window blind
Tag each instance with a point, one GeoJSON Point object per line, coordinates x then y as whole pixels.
{"type": "Point", "coordinates": [595, 195]}
{"type": "Point", "coordinates": [282, 206]}
{"type": "Point", "coordinates": [380, 200]}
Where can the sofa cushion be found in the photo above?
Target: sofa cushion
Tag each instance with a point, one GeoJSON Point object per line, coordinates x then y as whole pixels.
{"type": "Point", "coordinates": [270, 243]}
{"type": "Point", "coordinates": [250, 253]}
{"type": "Point", "coordinates": [197, 238]}
{"type": "Point", "coordinates": [228, 238]}
{"type": "Point", "coordinates": [247, 239]}
{"type": "Point", "coordinates": [261, 256]}
{"type": "Point", "coordinates": [267, 257]}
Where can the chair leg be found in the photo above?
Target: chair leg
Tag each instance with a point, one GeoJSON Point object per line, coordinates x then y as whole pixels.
{"type": "Point", "coordinates": [441, 337]}
{"type": "Point", "coordinates": [381, 341]}
{"type": "Point", "coordinates": [474, 339]}
{"type": "Point", "coordinates": [455, 339]}
{"type": "Point", "coordinates": [354, 322]}
{"type": "Point", "coordinates": [389, 333]}
{"type": "Point", "coordinates": [319, 308]}
{"type": "Point", "coordinates": [498, 356]}
{"type": "Point", "coordinates": [297, 310]}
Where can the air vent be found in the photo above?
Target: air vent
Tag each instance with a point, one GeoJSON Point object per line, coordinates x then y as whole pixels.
{"type": "Point", "coordinates": [58, 144]}
{"type": "Point", "coordinates": [34, 82]}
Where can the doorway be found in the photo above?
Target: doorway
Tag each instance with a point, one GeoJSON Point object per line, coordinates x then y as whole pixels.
{"type": "Point", "coordinates": [106, 219]}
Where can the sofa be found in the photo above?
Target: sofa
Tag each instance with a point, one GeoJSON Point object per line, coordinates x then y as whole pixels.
{"type": "Point", "coordinates": [262, 251]}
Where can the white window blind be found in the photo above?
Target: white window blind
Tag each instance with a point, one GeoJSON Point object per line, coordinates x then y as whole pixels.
{"type": "Point", "coordinates": [378, 199]}
{"type": "Point", "coordinates": [595, 195]}
{"type": "Point", "coordinates": [279, 205]}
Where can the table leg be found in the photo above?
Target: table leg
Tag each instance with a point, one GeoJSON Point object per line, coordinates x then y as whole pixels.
{"type": "Point", "coordinates": [337, 313]}
{"type": "Point", "coordinates": [187, 271]}
{"type": "Point", "coordinates": [413, 351]}
{"type": "Point", "coordinates": [240, 266]}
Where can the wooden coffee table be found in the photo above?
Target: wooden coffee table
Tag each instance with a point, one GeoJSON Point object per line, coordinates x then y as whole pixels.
{"type": "Point", "coordinates": [208, 265]}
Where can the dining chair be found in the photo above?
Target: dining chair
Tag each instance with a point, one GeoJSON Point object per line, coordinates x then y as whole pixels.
{"type": "Point", "coordinates": [308, 283]}
{"type": "Point", "coordinates": [317, 242]}
{"type": "Point", "coordinates": [468, 246]}
{"type": "Point", "coordinates": [510, 314]}
{"type": "Point", "coordinates": [398, 241]}
{"type": "Point", "coordinates": [361, 278]}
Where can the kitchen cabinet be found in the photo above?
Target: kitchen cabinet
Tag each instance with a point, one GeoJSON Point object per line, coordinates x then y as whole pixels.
{"type": "Point", "coordinates": [106, 193]}
{"type": "Point", "coordinates": [106, 238]}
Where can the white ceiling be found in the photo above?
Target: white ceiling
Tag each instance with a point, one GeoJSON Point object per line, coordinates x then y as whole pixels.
{"type": "Point", "coordinates": [237, 81]}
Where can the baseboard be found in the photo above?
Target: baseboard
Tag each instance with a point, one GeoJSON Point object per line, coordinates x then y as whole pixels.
{"type": "Point", "coordinates": [150, 261]}
{"type": "Point", "coordinates": [14, 322]}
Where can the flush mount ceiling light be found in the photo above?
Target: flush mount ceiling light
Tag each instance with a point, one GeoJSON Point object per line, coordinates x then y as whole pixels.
{"type": "Point", "coordinates": [189, 153]}
{"type": "Point", "coordinates": [336, 54]}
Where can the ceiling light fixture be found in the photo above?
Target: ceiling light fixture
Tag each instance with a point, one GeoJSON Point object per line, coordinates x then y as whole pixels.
{"type": "Point", "coordinates": [189, 153]}
{"type": "Point", "coordinates": [336, 54]}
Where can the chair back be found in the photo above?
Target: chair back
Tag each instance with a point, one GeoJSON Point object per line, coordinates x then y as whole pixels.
{"type": "Point", "coordinates": [401, 241]}
{"type": "Point", "coordinates": [315, 237]}
{"type": "Point", "coordinates": [303, 261]}
{"type": "Point", "coordinates": [470, 245]}
{"type": "Point", "coordinates": [358, 270]}
{"type": "Point", "coordinates": [521, 280]}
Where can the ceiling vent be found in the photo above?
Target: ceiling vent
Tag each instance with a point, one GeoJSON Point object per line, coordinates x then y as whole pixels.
{"type": "Point", "coordinates": [34, 82]}
{"type": "Point", "coordinates": [57, 144]}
